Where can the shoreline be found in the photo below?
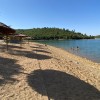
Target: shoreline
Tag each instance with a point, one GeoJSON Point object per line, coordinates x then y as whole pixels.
{"type": "Point", "coordinates": [81, 57]}
{"type": "Point", "coordinates": [76, 57]}
{"type": "Point", "coordinates": [37, 72]}
{"type": "Point", "coordinates": [88, 54]}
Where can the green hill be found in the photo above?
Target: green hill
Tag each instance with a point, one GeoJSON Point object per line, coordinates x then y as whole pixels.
{"type": "Point", "coordinates": [52, 33]}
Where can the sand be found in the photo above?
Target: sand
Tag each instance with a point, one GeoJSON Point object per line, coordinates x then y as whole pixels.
{"type": "Point", "coordinates": [38, 72]}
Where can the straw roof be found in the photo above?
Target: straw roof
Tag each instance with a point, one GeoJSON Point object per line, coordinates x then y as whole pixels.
{"type": "Point", "coordinates": [20, 35]}
{"type": "Point", "coordinates": [4, 29]}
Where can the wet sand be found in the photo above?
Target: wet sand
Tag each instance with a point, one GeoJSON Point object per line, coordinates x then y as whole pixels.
{"type": "Point", "coordinates": [38, 72]}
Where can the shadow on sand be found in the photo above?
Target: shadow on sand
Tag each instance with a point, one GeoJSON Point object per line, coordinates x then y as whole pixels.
{"type": "Point", "coordinates": [36, 47]}
{"type": "Point", "coordinates": [8, 69]}
{"type": "Point", "coordinates": [61, 86]}
{"type": "Point", "coordinates": [3, 46]}
{"type": "Point", "coordinates": [30, 54]}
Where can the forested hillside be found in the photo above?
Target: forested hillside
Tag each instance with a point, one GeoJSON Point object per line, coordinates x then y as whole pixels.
{"type": "Point", "coordinates": [52, 33]}
{"type": "Point", "coordinates": [98, 36]}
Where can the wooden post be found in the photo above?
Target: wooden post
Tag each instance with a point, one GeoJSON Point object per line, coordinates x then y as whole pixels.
{"type": "Point", "coordinates": [20, 41]}
{"type": "Point", "coordinates": [7, 42]}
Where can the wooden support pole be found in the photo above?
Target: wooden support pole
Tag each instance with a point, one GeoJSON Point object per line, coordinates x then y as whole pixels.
{"type": "Point", "coordinates": [7, 42]}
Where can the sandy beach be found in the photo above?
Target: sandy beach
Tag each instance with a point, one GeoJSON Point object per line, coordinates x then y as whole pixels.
{"type": "Point", "coordinates": [38, 72]}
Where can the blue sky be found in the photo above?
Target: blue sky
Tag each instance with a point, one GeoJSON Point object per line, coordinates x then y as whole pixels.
{"type": "Point", "coordinates": [79, 15]}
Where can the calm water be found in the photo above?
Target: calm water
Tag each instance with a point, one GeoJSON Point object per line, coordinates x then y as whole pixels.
{"type": "Point", "coordinates": [89, 48]}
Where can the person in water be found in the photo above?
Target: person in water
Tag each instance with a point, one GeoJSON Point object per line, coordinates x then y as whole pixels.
{"type": "Point", "coordinates": [77, 47]}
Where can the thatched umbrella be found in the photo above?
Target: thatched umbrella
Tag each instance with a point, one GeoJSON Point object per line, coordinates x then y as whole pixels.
{"type": "Point", "coordinates": [20, 36]}
{"type": "Point", "coordinates": [6, 30]}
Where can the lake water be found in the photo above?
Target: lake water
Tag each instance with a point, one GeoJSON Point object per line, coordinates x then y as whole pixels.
{"type": "Point", "coordinates": [89, 48]}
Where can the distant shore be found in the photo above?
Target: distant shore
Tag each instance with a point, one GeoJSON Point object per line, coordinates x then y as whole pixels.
{"type": "Point", "coordinates": [40, 72]}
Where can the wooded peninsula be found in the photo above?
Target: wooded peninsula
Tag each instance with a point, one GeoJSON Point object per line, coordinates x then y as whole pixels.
{"type": "Point", "coordinates": [53, 33]}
